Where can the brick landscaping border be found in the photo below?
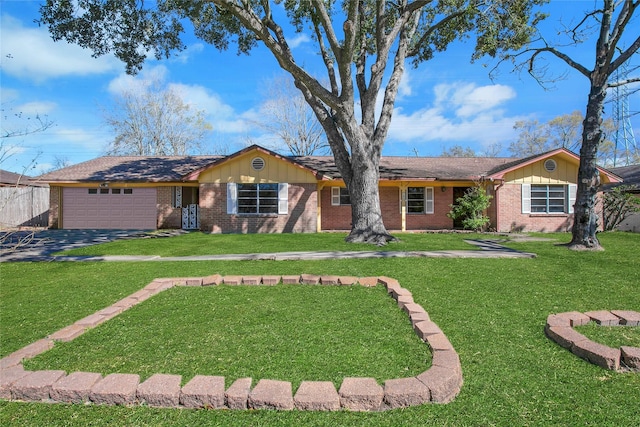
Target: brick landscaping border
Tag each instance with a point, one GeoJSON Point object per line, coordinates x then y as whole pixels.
{"type": "Point", "coordinates": [441, 383]}
{"type": "Point", "coordinates": [559, 328]}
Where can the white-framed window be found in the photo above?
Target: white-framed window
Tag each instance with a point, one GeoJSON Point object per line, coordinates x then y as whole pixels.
{"type": "Point", "coordinates": [548, 198]}
{"type": "Point", "coordinates": [263, 198]}
{"type": "Point", "coordinates": [340, 196]}
{"type": "Point", "coordinates": [420, 200]}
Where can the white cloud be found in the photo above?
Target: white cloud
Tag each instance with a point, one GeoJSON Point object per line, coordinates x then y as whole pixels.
{"type": "Point", "coordinates": [140, 82]}
{"type": "Point", "coordinates": [37, 108]}
{"type": "Point", "coordinates": [404, 89]}
{"type": "Point", "coordinates": [467, 99]}
{"type": "Point", "coordinates": [29, 52]}
{"type": "Point", "coordinates": [298, 40]}
{"type": "Point", "coordinates": [222, 116]}
{"type": "Point", "coordinates": [184, 56]}
{"type": "Point", "coordinates": [464, 113]}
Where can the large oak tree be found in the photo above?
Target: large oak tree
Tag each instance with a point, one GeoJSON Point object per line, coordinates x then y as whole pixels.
{"type": "Point", "coordinates": [364, 46]}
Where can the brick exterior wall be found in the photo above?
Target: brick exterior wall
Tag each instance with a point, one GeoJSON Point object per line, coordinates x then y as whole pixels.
{"type": "Point", "coordinates": [334, 217]}
{"type": "Point", "coordinates": [168, 216]}
{"type": "Point", "coordinates": [438, 220]}
{"type": "Point", "coordinates": [55, 195]}
{"type": "Point", "coordinates": [301, 218]}
{"type": "Point", "coordinates": [511, 218]}
{"type": "Point", "coordinates": [339, 217]}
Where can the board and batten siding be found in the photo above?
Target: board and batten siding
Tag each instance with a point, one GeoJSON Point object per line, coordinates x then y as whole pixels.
{"type": "Point", "coordinates": [240, 170]}
{"type": "Point", "coordinates": [535, 173]}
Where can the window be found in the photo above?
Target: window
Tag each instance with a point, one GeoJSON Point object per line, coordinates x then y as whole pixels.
{"type": "Point", "coordinates": [257, 198]}
{"type": "Point", "coordinates": [420, 200]}
{"type": "Point", "coordinates": [104, 191]}
{"type": "Point", "coordinates": [340, 196]}
{"type": "Point", "coordinates": [115, 191]}
{"type": "Point", "coordinates": [93, 191]}
{"type": "Point", "coordinates": [548, 199]}
{"type": "Point", "coordinates": [128, 191]}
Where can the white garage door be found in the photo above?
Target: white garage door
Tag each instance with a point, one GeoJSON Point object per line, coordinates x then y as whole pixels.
{"type": "Point", "coordinates": [110, 208]}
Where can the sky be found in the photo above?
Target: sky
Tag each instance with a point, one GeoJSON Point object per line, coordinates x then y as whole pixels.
{"type": "Point", "coordinates": [446, 101]}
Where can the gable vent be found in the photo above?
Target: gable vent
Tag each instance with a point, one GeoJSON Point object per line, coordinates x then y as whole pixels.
{"type": "Point", "coordinates": [257, 163]}
{"type": "Point", "coordinates": [550, 165]}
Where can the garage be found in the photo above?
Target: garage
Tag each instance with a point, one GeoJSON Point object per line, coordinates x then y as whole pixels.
{"type": "Point", "coordinates": [109, 208]}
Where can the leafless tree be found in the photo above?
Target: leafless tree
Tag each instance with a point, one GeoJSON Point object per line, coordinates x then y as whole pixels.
{"type": "Point", "coordinates": [14, 126]}
{"type": "Point", "coordinates": [154, 121]}
{"type": "Point", "coordinates": [286, 115]}
{"type": "Point", "coordinates": [458, 151]}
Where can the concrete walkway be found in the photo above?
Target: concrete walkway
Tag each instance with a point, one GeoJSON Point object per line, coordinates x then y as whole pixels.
{"type": "Point", "coordinates": [41, 245]}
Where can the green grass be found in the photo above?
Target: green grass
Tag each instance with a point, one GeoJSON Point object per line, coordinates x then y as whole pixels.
{"type": "Point", "coordinates": [492, 310]}
{"type": "Point", "coordinates": [286, 332]}
{"type": "Point", "coordinates": [612, 336]}
{"type": "Point", "coordinates": [198, 243]}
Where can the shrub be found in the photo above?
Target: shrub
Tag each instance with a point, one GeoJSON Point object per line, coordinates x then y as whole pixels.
{"type": "Point", "coordinates": [470, 209]}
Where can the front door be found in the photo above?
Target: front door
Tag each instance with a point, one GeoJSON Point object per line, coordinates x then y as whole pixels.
{"type": "Point", "coordinates": [187, 198]}
{"type": "Point", "coordinates": [457, 193]}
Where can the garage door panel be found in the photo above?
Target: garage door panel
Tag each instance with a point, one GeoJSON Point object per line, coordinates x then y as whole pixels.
{"type": "Point", "coordinates": [136, 210]}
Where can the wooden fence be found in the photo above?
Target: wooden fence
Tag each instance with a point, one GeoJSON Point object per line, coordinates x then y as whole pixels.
{"type": "Point", "coordinates": [24, 207]}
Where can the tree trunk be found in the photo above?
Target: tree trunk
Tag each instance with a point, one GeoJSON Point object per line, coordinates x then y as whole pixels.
{"type": "Point", "coordinates": [367, 225]}
{"type": "Point", "coordinates": [585, 222]}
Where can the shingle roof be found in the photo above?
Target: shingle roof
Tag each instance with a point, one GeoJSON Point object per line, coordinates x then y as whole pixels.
{"type": "Point", "coordinates": [178, 168]}
{"type": "Point", "coordinates": [131, 169]}
{"type": "Point", "coordinates": [11, 178]}
{"type": "Point", "coordinates": [630, 174]}
{"type": "Point", "coordinates": [175, 168]}
{"type": "Point", "coordinates": [418, 168]}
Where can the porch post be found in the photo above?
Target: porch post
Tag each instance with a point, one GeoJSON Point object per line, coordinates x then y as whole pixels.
{"type": "Point", "coordinates": [403, 207]}
{"type": "Point", "coordinates": [319, 187]}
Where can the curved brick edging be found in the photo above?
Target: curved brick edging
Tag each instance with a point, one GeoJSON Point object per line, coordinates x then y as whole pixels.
{"type": "Point", "coordinates": [441, 383]}
{"type": "Point", "coordinates": [560, 326]}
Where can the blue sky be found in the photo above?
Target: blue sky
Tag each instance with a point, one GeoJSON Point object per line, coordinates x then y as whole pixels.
{"type": "Point", "coordinates": [444, 102]}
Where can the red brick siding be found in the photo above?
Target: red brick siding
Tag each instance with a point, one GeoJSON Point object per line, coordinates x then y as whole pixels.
{"type": "Point", "coordinates": [168, 216]}
{"type": "Point", "coordinates": [334, 217]}
{"type": "Point", "coordinates": [438, 219]}
{"type": "Point", "coordinates": [511, 218]}
{"type": "Point", "coordinates": [301, 218]}
{"type": "Point", "coordinates": [390, 207]}
{"type": "Point", "coordinates": [339, 217]}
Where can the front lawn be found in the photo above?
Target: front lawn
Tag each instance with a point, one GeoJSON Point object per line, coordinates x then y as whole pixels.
{"type": "Point", "coordinates": [198, 243]}
{"type": "Point", "coordinates": [492, 310]}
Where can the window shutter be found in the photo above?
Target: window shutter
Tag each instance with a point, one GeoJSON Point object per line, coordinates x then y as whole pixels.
{"type": "Point", "coordinates": [526, 198]}
{"type": "Point", "coordinates": [232, 198]}
{"type": "Point", "coordinates": [428, 200]}
{"type": "Point", "coordinates": [335, 196]}
{"type": "Point", "coordinates": [283, 198]}
{"type": "Point", "coordinates": [573, 188]}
